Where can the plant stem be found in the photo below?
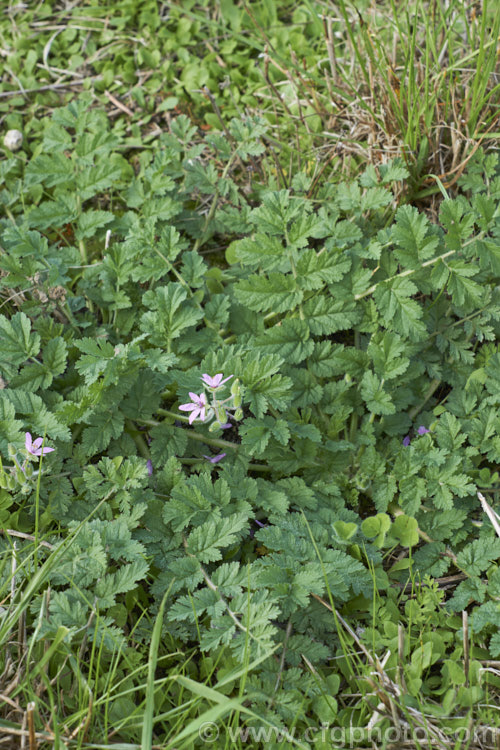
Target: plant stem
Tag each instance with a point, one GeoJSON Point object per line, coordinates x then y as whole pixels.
{"type": "Point", "coordinates": [434, 385]}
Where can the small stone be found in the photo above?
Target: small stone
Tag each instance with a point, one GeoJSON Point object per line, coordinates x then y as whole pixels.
{"type": "Point", "coordinates": [13, 140]}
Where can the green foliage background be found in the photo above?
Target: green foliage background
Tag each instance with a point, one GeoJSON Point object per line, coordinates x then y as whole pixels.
{"type": "Point", "coordinates": [128, 269]}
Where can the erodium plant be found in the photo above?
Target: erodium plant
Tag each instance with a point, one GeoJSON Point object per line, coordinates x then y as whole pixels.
{"type": "Point", "coordinates": [307, 352]}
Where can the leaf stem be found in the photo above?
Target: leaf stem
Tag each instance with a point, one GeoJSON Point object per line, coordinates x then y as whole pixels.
{"type": "Point", "coordinates": [408, 272]}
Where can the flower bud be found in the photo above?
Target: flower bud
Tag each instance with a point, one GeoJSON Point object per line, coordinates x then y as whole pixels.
{"type": "Point", "coordinates": [235, 387]}
{"type": "Point", "coordinates": [11, 451]}
{"type": "Point", "coordinates": [238, 414]}
{"type": "Point", "coordinates": [28, 470]}
{"type": "Point", "coordinates": [214, 426]}
{"type": "Point", "coordinates": [221, 415]}
{"type": "Point", "coordinates": [13, 140]}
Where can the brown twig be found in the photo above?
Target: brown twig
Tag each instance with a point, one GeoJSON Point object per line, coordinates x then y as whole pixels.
{"type": "Point", "coordinates": [22, 535]}
{"type": "Point", "coordinates": [49, 87]}
{"type": "Point", "coordinates": [118, 103]}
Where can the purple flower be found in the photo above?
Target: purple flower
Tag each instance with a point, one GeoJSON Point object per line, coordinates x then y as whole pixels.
{"type": "Point", "coordinates": [149, 466]}
{"type": "Point", "coordinates": [35, 447]}
{"type": "Point", "coordinates": [226, 426]}
{"type": "Point", "coordinates": [215, 459]}
{"type": "Point", "coordinates": [421, 431]}
{"type": "Point", "coordinates": [216, 381]}
{"type": "Point", "coordinates": [197, 407]}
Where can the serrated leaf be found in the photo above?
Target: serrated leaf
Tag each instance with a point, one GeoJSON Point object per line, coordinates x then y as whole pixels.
{"type": "Point", "coordinates": [314, 270]}
{"type": "Point", "coordinates": [167, 441]}
{"type": "Point", "coordinates": [17, 342]}
{"type": "Point", "coordinates": [385, 351]}
{"type": "Point", "coordinates": [37, 375]}
{"type": "Point", "coordinates": [377, 400]}
{"type": "Point", "coordinates": [326, 315]}
{"type": "Point", "coordinates": [206, 541]}
{"type": "Point", "coordinates": [277, 292]}
{"type": "Point", "coordinates": [398, 310]}
{"type": "Point", "coordinates": [411, 234]}
{"type": "Point", "coordinates": [193, 269]}
{"type": "Point", "coordinates": [260, 251]}
{"type": "Point", "coordinates": [90, 221]}
{"type": "Point", "coordinates": [95, 359]}
{"type": "Point", "coordinates": [55, 169]}
{"type": "Point", "coordinates": [172, 313]}
{"type": "Point", "coordinates": [290, 340]}
{"type": "Point", "coordinates": [54, 213]}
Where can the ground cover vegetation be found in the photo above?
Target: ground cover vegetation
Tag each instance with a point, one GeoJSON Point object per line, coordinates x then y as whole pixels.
{"type": "Point", "coordinates": [249, 360]}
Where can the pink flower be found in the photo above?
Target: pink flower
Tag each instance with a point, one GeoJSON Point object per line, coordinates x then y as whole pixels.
{"type": "Point", "coordinates": [35, 447]}
{"type": "Point", "coordinates": [216, 381]}
{"type": "Point", "coordinates": [196, 407]}
{"type": "Point", "coordinates": [215, 459]}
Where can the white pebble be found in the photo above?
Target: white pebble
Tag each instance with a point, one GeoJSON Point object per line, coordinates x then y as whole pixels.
{"type": "Point", "coordinates": [13, 140]}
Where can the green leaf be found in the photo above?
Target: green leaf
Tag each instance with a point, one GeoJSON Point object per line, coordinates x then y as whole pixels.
{"type": "Point", "coordinates": [95, 359]}
{"type": "Point", "coordinates": [385, 351]}
{"type": "Point", "coordinates": [193, 269]}
{"type": "Point", "coordinates": [17, 343]}
{"type": "Point", "coordinates": [259, 251]}
{"type": "Point", "coordinates": [256, 433]}
{"type": "Point", "coordinates": [405, 530]}
{"type": "Point", "coordinates": [464, 291]}
{"type": "Point", "coordinates": [173, 313]}
{"type": "Point", "coordinates": [314, 270]}
{"type": "Point", "coordinates": [206, 541]}
{"type": "Point", "coordinates": [41, 419]}
{"type": "Point", "coordinates": [376, 528]}
{"type": "Point", "coordinates": [278, 293]}
{"type": "Point", "coordinates": [56, 169]}
{"type": "Point", "coordinates": [54, 213]}
{"type": "Point", "coordinates": [89, 222]}
{"type": "Point", "coordinates": [412, 237]}
{"type": "Point", "coordinates": [38, 375]}
{"type": "Point", "coordinates": [290, 340]}
{"type": "Point", "coordinates": [377, 400]}
{"type": "Point", "coordinates": [345, 530]}
{"type": "Point", "coordinates": [167, 441]}
{"type": "Point", "coordinates": [398, 310]}
{"type": "Point", "coordinates": [326, 315]}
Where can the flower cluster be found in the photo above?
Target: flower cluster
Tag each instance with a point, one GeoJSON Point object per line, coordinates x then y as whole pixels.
{"type": "Point", "coordinates": [216, 410]}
